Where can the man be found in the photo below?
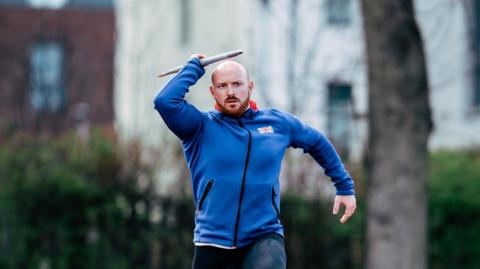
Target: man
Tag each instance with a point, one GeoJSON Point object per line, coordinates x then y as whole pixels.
{"type": "Point", "coordinates": [234, 156]}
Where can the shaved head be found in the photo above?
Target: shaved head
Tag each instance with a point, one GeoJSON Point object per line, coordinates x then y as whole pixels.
{"type": "Point", "coordinates": [228, 66]}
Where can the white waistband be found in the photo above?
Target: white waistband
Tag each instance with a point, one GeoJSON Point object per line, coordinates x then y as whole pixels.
{"type": "Point", "coordinates": [200, 244]}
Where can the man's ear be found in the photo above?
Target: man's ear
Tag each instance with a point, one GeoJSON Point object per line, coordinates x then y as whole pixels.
{"type": "Point", "coordinates": [211, 91]}
{"type": "Point", "coordinates": [250, 86]}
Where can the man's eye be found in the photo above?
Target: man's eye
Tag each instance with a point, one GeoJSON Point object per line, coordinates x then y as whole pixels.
{"type": "Point", "coordinates": [236, 84]}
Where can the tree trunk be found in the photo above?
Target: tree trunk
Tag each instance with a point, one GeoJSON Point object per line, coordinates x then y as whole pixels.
{"type": "Point", "coordinates": [399, 126]}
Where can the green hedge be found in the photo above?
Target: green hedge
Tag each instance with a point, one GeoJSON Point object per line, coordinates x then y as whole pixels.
{"type": "Point", "coordinates": [61, 206]}
{"type": "Point", "coordinates": [454, 210]}
{"type": "Point", "coordinates": [66, 204]}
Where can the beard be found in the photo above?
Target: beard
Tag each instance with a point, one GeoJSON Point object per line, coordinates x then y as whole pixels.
{"type": "Point", "coordinates": [236, 111]}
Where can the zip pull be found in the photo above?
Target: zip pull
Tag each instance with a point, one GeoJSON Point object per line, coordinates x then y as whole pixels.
{"type": "Point", "coordinates": [204, 195]}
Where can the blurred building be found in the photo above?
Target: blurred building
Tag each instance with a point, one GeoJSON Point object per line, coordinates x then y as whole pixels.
{"type": "Point", "coordinates": [306, 57]}
{"type": "Point", "coordinates": [451, 34]}
{"type": "Point", "coordinates": [57, 63]}
{"type": "Point", "coordinates": [325, 40]}
{"type": "Point", "coordinates": [312, 65]}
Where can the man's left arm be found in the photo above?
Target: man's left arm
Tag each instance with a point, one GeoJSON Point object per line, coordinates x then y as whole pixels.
{"type": "Point", "coordinates": [319, 147]}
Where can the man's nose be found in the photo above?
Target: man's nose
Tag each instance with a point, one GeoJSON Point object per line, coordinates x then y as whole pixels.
{"type": "Point", "coordinates": [229, 89]}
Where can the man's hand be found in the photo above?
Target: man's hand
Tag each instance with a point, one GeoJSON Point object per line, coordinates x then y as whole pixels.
{"type": "Point", "coordinates": [197, 55]}
{"type": "Point", "coordinates": [350, 204]}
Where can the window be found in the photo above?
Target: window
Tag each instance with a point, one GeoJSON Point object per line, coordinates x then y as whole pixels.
{"type": "Point", "coordinates": [340, 116]}
{"type": "Point", "coordinates": [93, 4]}
{"type": "Point", "coordinates": [47, 90]}
{"type": "Point", "coordinates": [338, 11]}
{"type": "Point", "coordinates": [53, 4]}
{"type": "Point", "coordinates": [185, 21]}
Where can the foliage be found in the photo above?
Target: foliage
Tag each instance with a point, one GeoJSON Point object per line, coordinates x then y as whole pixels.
{"type": "Point", "coordinates": [454, 207]}
{"type": "Point", "coordinates": [69, 204]}
{"type": "Point", "coordinates": [314, 238]}
{"type": "Point", "coordinates": [66, 204]}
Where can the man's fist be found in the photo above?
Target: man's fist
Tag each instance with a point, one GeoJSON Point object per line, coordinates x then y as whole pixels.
{"type": "Point", "coordinates": [197, 55]}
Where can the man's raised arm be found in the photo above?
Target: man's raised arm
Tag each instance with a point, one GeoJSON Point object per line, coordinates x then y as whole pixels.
{"type": "Point", "coordinates": [182, 118]}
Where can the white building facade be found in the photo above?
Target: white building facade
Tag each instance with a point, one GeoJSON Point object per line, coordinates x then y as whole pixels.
{"type": "Point", "coordinates": [306, 57]}
{"type": "Point", "coordinates": [450, 31]}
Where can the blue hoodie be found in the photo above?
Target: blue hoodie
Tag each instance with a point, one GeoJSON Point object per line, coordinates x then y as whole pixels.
{"type": "Point", "coordinates": [235, 162]}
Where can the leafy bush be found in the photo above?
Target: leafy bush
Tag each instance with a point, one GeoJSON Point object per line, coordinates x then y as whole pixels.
{"type": "Point", "coordinates": [454, 210]}
{"type": "Point", "coordinates": [314, 238]}
{"type": "Point", "coordinates": [68, 204]}
{"type": "Point", "coordinates": [65, 204]}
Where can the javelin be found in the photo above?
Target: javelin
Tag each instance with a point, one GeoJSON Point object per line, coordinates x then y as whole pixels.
{"type": "Point", "coordinates": [206, 61]}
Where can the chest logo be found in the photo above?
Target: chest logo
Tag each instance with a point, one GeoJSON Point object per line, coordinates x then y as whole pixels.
{"type": "Point", "coordinates": [265, 130]}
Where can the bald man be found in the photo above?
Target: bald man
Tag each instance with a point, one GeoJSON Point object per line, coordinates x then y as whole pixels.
{"type": "Point", "coordinates": [234, 154]}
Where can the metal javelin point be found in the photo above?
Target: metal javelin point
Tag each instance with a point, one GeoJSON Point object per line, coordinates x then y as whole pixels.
{"type": "Point", "coordinates": [206, 61]}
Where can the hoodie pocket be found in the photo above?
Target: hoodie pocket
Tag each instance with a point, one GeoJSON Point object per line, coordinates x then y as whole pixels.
{"type": "Point", "coordinates": [204, 195]}
{"type": "Point", "coordinates": [274, 204]}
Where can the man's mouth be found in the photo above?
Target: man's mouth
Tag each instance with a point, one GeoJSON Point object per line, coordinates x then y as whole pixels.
{"type": "Point", "coordinates": [230, 101]}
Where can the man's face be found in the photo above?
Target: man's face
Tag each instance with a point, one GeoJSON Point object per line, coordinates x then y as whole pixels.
{"type": "Point", "coordinates": [231, 88]}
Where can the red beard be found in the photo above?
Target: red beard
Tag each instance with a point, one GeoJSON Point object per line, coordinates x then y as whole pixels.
{"type": "Point", "coordinates": [253, 105]}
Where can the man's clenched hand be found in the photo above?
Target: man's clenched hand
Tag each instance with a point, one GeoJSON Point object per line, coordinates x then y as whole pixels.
{"type": "Point", "coordinates": [197, 55]}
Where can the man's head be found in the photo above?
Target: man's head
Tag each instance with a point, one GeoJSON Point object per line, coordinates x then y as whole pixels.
{"type": "Point", "coordinates": [231, 88]}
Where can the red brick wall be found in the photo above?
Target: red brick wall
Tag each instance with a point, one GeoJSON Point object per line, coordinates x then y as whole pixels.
{"type": "Point", "coordinates": [88, 37]}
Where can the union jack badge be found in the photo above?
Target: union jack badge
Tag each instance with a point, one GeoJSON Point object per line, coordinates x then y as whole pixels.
{"type": "Point", "coordinates": [265, 130]}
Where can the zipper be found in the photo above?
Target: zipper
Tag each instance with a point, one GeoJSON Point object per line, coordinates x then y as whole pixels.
{"type": "Point", "coordinates": [273, 203]}
{"type": "Point", "coordinates": [244, 176]}
{"type": "Point", "coordinates": [204, 195]}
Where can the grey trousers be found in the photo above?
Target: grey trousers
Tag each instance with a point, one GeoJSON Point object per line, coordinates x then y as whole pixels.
{"type": "Point", "coordinates": [267, 252]}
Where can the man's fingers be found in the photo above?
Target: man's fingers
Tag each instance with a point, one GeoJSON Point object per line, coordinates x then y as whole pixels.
{"type": "Point", "coordinates": [336, 206]}
{"type": "Point", "coordinates": [348, 213]}
{"type": "Point", "coordinates": [350, 204]}
{"type": "Point", "coordinates": [344, 218]}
